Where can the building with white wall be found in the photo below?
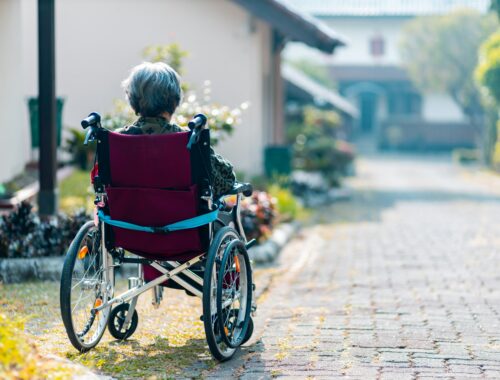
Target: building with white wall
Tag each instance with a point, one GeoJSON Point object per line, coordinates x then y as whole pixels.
{"type": "Point", "coordinates": [234, 44]}
{"type": "Point", "coordinates": [369, 72]}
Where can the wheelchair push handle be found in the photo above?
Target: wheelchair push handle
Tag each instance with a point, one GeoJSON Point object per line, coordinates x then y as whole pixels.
{"type": "Point", "coordinates": [93, 119]}
{"type": "Point", "coordinates": [94, 122]}
{"type": "Point", "coordinates": [198, 121]}
{"type": "Point", "coordinates": [196, 125]}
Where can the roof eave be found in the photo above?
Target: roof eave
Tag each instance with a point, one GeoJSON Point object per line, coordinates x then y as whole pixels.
{"type": "Point", "coordinates": [317, 91]}
{"type": "Point", "coordinates": [294, 25]}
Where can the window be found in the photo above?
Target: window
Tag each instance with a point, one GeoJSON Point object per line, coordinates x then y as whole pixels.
{"type": "Point", "coordinates": [377, 46]}
{"type": "Point", "coordinates": [404, 103]}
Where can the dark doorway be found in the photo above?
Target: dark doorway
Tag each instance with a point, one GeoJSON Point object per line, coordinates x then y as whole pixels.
{"type": "Point", "coordinates": [368, 108]}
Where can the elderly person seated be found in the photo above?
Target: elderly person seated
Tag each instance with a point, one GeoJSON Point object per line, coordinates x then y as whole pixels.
{"type": "Point", "coordinates": [154, 92]}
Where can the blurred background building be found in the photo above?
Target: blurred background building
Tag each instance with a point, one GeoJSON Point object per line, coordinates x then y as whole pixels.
{"type": "Point", "coordinates": [370, 74]}
{"type": "Point", "coordinates": [235, 44]}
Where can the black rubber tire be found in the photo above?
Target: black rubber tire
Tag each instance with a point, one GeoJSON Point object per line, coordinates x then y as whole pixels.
{"type": "Point", "coordinates": [249, 332]}
{"type": "Point", "coordinates": [211, 326]}
{"type": "Point", "coordinates": [239, 245]}
{"type": "Point", "coordinates": [120, 312]}
{"type": "Point", "coordinates": [65, 290]}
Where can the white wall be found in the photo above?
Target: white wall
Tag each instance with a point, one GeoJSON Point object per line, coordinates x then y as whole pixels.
{"type": "Point", "coordinates": [99, 41]}
{"type": "Point", "coordinates": [441, 108]}
{"type": "Point", "coordinates": [14, 134]}
{"type": "Point", "coordinates": [358, 32]}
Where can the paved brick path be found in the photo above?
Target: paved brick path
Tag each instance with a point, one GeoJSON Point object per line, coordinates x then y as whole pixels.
{"type": "Point", "coordinates": [401, 282]}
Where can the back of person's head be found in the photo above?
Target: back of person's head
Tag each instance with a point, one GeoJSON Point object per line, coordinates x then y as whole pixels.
{"type": "Point", "coordinates": [153, 89]}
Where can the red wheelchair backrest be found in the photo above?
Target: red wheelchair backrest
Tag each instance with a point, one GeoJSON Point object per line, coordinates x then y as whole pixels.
{"type": "Point", "coordinates": [153, 161]}
{"type": "Point", "coordinates": [154, 180]}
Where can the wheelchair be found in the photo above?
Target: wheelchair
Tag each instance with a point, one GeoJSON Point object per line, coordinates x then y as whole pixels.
{"type": "Point", "coordinates": [154, 208]}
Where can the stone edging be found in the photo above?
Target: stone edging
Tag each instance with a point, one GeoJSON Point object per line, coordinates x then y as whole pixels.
{"type": "Point", "coordinates": [40, 268]}
{"type": "Point", "coordinates": [49, 268]}
{"type": "Point", "coordinates": [268, 251]}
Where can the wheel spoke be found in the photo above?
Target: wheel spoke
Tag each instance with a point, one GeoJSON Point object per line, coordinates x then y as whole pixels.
{"type": "Point", "coordinates": [77, 303]}
{"type": "Point", "coordinates": [81, 285]}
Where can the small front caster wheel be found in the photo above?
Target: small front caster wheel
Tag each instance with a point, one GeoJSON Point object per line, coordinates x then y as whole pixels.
{"type": "Point", "coordinates": [117, 319]}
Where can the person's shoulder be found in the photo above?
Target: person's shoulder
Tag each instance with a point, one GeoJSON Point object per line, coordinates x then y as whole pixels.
{"type": "Point", "coordinates": [130, 130]}
{"type": "Point", "coordinates": [176, 128]}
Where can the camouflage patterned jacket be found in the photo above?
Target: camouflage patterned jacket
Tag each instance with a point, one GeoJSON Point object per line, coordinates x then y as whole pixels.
{"type": "Point", "coordinates": [223, 177]}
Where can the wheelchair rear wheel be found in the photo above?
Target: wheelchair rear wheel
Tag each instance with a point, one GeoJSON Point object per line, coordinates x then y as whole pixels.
{"type": "Point", "coordinates": [85, 286]}
{"type": "Point", "coordinates": [227, 293]}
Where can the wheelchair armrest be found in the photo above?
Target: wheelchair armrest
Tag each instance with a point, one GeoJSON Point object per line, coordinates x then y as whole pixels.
{"type": "Point", "coordinates": [245, 188]}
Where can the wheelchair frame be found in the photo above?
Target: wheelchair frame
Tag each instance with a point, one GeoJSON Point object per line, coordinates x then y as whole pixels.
{"type": "Point", "coordinates": [104, 287]}
{"type": "Point", "coordinates": [137, 290]}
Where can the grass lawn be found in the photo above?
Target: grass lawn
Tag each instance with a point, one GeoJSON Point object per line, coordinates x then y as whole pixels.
{"type": "Point", "coordinates": [76, 192]}
{"type": "Point", "coordinates": [168, 342]}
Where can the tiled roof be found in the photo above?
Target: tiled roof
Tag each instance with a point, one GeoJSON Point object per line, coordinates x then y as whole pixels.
{"type": "Point", "coordinates": [385, 7]}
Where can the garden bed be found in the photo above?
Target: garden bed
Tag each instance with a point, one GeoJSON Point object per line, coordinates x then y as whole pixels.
{"type": "Point", "coordinates": [32, 248]}
{"type": "Point", "coordinates": [17, 270]}
{"type": "Point", "coordinates": [25, 187]}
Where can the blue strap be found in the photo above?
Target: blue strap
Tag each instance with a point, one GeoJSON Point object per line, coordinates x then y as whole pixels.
{"type": "Point", "coordinates": [197, 221]}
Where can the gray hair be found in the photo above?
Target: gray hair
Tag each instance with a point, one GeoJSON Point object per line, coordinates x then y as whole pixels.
{"type": "Point", "coordinates": [153, 88]}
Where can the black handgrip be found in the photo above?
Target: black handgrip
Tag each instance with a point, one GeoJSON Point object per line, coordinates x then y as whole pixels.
{"type": "Point", "coordinates": [248, 190]}
{"type": "Point", "coordinates": [244, 188]}
{"type": "Point", "coordinates": [92, 119]}
{"type": "Point", "coordinates": [198, 121]}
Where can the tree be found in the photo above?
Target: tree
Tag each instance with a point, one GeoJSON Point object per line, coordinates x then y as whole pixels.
{"type": "Point", "coordinates": [440, 54]}
{"type": "Point", "coordinates": [171, 54]}
{"type": "Point", "coordinates": [221, 119]}
{"type": "Point", "coordinates": [488, 70]}
{"type": "Point", "coordinates": [495, 7]}
{"type": "Point", "coordinates": [488, 76]}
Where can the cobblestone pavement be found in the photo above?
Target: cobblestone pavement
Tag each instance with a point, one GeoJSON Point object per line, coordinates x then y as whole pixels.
{"type": "Point", "coordinates": [400, 282]}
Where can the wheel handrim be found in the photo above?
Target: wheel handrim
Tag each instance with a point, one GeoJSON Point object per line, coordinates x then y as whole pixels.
{"type": "Point", "coordinates": [232, 295]}
{"type": "Point", "coordinates": [88, 290]}
{"type": "Point", "coordinates": [223, 348]}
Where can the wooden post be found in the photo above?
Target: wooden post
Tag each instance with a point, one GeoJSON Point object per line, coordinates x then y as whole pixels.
{"type": "Point", "coordinates": [278, 101]}
{"type": "Point", "coordinates": [47, 197]}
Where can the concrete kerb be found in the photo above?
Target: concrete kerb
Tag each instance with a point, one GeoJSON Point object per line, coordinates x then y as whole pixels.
{"type": "Point", "coordinates": [50, 268]}
{"type": "Point", "coordinates": [40, 268]}
{"type": "Point", "coordinates": [268, 251]}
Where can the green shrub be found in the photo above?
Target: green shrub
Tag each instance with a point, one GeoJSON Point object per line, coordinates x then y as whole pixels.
{"type": "Point", "coordinates": [495, 160]}
{"type": "Point", "coordinates": [288, 206]}
{"type": "Point", "coordinates": [221, 118]}
{"type": "Point", "coordinates": [488, 70]}
{"type": "Point", "coordinates": [258, 215]}
{"type": "Point", "coordinates": [82, 155]}
{"type": "Point", "coordinates": [316, 146]}
{"type": "Point", "coordinates": [465, 156]}
{"type": "Point", "coordinates": [76, 192]}
{"type": "Point", "coordinates": [24, 234]}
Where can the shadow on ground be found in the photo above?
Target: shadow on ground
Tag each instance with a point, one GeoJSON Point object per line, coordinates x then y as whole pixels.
{"type": "Point", "coordinates": [132, 359]}
{"type": "Point", "coordinates": [370, 205]}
